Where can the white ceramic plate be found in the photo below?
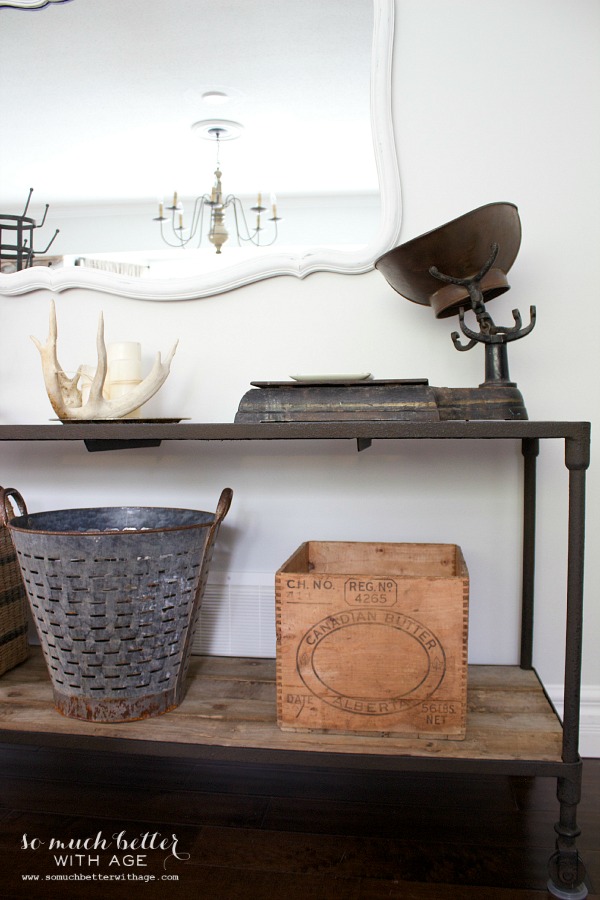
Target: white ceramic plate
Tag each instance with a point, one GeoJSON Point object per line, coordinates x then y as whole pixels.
{"type": "Point", "coordinates": [362, 376]}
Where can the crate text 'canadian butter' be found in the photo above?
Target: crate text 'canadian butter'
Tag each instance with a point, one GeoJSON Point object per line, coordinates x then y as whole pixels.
{"type": "Point", "coordinates": [372, 637]}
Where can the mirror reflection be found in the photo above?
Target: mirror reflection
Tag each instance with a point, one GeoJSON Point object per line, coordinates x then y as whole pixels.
{"type": "Point", "coordinates": [113, 109]}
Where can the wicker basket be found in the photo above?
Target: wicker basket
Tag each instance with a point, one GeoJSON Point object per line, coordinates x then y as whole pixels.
{"type": "Point", "coordinates": [115, 594]}
{"type": "Point", "coordinates": [14, 647]}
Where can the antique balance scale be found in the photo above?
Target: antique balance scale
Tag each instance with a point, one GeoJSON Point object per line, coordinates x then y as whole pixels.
{"type": "Point", "coordinates": [455, 268]}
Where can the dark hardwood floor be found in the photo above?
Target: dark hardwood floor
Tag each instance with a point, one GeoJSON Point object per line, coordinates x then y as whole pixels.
{"type": "Point", "coordinates": [233, 831]}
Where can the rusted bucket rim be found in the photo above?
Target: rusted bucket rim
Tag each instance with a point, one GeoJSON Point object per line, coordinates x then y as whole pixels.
{"type": "Point", "coordinates": [27, 522]}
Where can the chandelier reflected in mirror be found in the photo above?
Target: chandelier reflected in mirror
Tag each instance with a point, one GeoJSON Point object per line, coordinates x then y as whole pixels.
{"type": "Point", "coordinates": [212, 206]}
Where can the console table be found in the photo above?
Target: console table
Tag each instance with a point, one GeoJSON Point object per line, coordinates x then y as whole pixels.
{"type": "Point", "coordinates": [545, 749]}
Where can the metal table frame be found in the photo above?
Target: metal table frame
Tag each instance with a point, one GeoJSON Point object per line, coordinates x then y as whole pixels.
{"type": "Point", "coordinates": [566, 868]}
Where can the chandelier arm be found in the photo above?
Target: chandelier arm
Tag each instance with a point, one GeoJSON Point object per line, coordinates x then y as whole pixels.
{"type": "Point", "coordinates": [237, 203]}
{"type": "Point", "coordinates": [237, 225]}
{"type": "Point", "coordinates": [197, 214]}
{"type": "Point", "coordinates": [201, 223]}
{"type": "Point", "coordinates": [274, 238]}
{"type": "Point", "coordinates": [166, 240]}
{"type": "Point", "coordinates": [177, 234]}
{"type": "Point", "coordinates": [254, 236]}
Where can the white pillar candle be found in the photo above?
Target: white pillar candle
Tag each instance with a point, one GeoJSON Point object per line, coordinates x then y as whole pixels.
{"type": "Point", "coordinates": [124, 369]}
{"type": "Point", "coordinates": [121, 389]}
{"type": "Point", "coordinates": [124, 350]}
{"type": "Point", "coordinates": [124, 361]}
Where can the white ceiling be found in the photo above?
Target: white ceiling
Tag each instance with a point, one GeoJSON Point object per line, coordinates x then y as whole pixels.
{"type": "Point", "coordinates": [98, 98]}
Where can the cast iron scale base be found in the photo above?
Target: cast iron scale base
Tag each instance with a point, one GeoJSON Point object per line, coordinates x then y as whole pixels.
{"type": "Point", "coordinates": [404, 400]}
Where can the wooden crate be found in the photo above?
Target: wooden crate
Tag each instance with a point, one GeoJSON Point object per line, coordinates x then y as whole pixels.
{"type": "Point", "coordinates": [372, 638]}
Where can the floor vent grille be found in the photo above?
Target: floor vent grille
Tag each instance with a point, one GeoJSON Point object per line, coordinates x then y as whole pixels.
{"type": "Point", "coordinates": [237, 616]}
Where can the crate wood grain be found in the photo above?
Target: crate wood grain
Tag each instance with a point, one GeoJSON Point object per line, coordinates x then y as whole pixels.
{"type": "Point", "coordinates": [231, 703]}
{"type": "Point", "coordinates": [372, 638]}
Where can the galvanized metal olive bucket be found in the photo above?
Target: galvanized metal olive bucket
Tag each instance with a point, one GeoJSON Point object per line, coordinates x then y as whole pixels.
{"type": "Point", "coordinates": [115, 594]}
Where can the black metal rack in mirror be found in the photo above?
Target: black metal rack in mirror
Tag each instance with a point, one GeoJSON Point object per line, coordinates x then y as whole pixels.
{"type": "Point", "coordinates": [16, 239]}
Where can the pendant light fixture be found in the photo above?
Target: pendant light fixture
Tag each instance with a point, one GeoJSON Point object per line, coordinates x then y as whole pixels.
{"type": "Point", "coordinates": [177, 232]}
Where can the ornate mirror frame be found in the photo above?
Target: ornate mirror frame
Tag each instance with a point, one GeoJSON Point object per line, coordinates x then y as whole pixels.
{"type": "Point", "coordinates": [307, 260]}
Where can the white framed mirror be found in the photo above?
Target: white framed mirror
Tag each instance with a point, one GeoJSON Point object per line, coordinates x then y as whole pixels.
{"type": "Point", "coordinates": [101, 127]}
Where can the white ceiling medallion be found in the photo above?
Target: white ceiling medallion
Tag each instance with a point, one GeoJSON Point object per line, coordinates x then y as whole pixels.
{"type": "Point", "coordinates": [224, 128]}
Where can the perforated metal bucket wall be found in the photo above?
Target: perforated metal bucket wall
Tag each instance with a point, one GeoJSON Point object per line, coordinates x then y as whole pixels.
{"type": "Point", "coordinates": [115, 609]}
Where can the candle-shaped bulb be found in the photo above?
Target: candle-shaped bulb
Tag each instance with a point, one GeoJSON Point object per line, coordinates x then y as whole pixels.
{"type": "Point", "coordinates": [259, 199]}
{"type": "Point", "coordinates": [160, 210]}
{"type": "Point", "coordinates": [175, 200]}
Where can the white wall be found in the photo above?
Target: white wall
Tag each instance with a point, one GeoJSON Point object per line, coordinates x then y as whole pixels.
{"type": "Point", "coordinates": [500, 102]}
{"type": "Point", "coordinates": [491, 102]}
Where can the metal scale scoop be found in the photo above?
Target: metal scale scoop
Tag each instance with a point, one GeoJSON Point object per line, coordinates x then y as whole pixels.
{"type": "Point", "coordinates": [454, 269]}
{"type": "Point", "coordinates": [458, 267]}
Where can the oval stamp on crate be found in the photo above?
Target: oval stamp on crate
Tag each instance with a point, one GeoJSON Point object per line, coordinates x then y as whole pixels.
{"type": "Point", "coordinates": [373, 688]}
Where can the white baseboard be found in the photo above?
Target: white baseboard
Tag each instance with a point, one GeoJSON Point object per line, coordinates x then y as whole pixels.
{"type": "Point", "coordinates": [589, 732]}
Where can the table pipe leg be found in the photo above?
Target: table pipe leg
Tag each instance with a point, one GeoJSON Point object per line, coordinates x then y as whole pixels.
{"type": "Point", "coordinates": [567, 872]}
{"type": "Point", "coordinates": [530, 447]}
{"type": "Point", "coordinates": [566, 869]}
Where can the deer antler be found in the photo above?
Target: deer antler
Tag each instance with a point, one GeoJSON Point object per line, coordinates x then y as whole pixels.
{"type": "Point", "coordinates": [65, 396]}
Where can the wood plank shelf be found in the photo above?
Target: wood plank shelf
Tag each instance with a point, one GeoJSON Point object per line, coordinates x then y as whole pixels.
{"type": "Point", "coordinates": [231, 702]}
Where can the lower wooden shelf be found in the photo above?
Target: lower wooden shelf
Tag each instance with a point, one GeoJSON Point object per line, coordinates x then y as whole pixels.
{"type": "Point", "coordinates": [231, 703]}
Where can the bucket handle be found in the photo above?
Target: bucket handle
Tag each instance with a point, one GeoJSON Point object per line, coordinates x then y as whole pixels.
{"type": "Point", "coordinates": [223, 506]}
{"type": "Point", "coordinates": [6, 510]}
